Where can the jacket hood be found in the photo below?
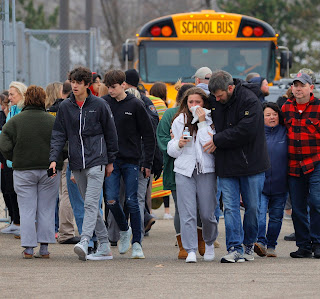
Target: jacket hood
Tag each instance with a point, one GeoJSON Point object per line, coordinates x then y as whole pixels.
{"type": "Point", "coordinates": [254, 87]}
{"type": "Point", "coordinates": [204, 87]}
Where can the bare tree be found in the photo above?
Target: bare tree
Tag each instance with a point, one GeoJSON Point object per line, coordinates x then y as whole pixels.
{"type": "Point", "coordinates": [124, 18]}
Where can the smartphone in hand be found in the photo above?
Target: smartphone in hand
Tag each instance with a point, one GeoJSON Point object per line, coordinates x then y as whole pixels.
{"type": "Point", "coordinates": [50, 172]}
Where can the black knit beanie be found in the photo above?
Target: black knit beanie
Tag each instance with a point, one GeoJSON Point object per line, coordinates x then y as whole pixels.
{"type": "Point", "coordinates": [132, 77]}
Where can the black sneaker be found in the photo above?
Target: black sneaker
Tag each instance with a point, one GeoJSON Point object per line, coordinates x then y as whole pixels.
{"type": "Point", "coordinates": [291, 237]}
{"type": "Point", "coordinates": [301, 253]}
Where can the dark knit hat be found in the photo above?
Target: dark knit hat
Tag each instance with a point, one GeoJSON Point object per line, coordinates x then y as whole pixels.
{"type": "Point", "coordinates": [257, 80]}
{"type": "Point", "coordinates": [132, 77]}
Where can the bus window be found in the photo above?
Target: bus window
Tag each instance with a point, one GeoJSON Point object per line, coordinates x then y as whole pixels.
{"type": "Point", "coordinates": [167, 57]}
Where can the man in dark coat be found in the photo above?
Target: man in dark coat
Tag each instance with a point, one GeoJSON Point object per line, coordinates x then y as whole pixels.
{"type": "Point", "coordinates": [241, 159]}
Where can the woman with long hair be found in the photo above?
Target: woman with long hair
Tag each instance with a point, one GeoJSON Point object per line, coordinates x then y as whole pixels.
{"type": "Point", "coordinates": [194, 172]}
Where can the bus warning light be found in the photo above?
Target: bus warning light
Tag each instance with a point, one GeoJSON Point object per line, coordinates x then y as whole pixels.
{"type": "Point", "coordinates": [247, 31]}
{"type": "Point", "coordinates": [258, 31]}
{"type": "Point", "coordinates": [155, 31]}
{"type": "Point", "coordinates": [166, 31]}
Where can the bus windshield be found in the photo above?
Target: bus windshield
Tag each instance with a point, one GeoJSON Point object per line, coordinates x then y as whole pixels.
{"type": "Point", "coordinates": [168, 61]}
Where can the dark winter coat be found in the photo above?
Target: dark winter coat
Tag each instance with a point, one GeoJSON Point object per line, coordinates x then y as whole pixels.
{"type": "Point", "coordinates": [240, 138]}
{"type": "Point", "coordinates": [276, 176]}
{"type": "Point", "coordinates": [133, 122]}
{"type": "Point", "coordinates": [90, 130]}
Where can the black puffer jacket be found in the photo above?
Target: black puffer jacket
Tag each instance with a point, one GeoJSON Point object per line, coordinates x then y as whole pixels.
{"type": "Point", "coordinates": [90, 130]}
{"type": "Point", "coordinates": [240, 138]}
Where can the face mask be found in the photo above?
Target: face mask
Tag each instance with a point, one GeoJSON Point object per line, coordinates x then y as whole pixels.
{"type": "Point", "coordinates": [240, 68]}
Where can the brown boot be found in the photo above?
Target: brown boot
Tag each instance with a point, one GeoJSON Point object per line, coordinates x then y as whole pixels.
{"type": "Point", "coordinates": [201, 243]}
{"type": "Point", "coordinates": [182, 253]}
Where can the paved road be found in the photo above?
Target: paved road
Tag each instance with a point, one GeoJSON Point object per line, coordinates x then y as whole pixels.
{"type": "Point", "coordinates": [160, 275]}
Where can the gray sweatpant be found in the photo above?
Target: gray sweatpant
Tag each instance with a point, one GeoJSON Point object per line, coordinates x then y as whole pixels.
{"type": "Point", "coordinates": [199, 190]}
{"type": "Point", "coordinates": [37, 196]}
{"type": "Point", "coordinates": [90, 183]}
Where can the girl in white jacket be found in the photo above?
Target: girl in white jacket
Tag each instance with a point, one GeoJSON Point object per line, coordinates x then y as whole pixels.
{"type": "Point", "coordinates": [194, 173]}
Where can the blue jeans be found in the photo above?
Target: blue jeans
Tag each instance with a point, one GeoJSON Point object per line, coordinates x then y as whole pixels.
{"type": "Point", "coordinates": [130, 175]}
{"type": "Point", "coordinates": [250, 188]}
{"type": "Point", "coordinates": [77, 204]}
{"type": "Point", "coordinates": [275, 204]}
{"type": "Point", "coordinates": [304, 191]}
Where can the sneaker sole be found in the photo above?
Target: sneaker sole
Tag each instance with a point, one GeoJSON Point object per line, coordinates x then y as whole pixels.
{"type": "Point", "coordinates": [208, 259]}
{"type": "Point", "coordinates": [249, 259]}
{"type": "Point", "coordinates": [223, 260]}
{"type": "Point", "coordinates": [259, 251]}
{"type": "Point", "coordinates": [81, 254]}
{"type": "Point", "coordinates": [99, 258]}
{"type": "Point", "coordinates": [138, 257]}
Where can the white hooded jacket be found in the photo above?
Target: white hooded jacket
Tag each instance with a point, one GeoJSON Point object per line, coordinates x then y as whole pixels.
{"type": "Point", "coordinates": [190, 157]}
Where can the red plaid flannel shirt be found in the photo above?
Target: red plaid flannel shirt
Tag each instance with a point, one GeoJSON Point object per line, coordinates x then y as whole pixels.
{"type": "Point", "coordinates": [303, 135]}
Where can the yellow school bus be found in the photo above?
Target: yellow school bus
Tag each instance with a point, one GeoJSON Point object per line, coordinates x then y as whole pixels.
{"type": "Point", "coordinates": [175, 46]}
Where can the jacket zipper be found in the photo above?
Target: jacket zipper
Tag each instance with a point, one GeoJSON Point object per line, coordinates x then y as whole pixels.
{"type": "Point", "coordinates": [80, 132]}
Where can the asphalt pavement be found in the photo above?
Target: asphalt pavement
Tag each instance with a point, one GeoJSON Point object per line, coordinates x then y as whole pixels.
{"type": "Point", "coordinates": [159, 275]}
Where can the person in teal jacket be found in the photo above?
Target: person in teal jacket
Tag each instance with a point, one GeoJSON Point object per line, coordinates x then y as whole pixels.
{"type": "Point", "coordinates": [163, 137]}
{"type": "Point", "coordinates": [16, 97]}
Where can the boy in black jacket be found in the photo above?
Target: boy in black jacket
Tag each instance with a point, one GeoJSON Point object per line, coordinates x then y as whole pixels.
{"type": "Point", "coordinates": [87, 123]}
{"type": "Point", "coordinates": [132, 123]}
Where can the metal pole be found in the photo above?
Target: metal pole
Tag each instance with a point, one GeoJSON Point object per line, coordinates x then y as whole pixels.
{"type": "Point", "coordinates": [14, 40]}
{"type": "Point", "coordinates": [98, 50]}
{"type": "Point", "coordinates": [4, 42]}
{"type": "Point", "coordinates": [91, 34]}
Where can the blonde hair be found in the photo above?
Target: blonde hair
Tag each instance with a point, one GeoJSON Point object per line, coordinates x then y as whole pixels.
{"type": "Point", "coordinates": [21, 89]}
{"type": "Point", "coordinates": [53, 92]}
{"type": "Point", "coordinates": [135, 92]}
{"type": "Point", "coordinates": [103, 90]}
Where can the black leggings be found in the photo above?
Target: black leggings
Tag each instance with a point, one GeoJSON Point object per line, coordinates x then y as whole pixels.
{"type": "Point", "coordinates": [9, 196]}
{"type": "Point", "coordinates": [166, 201]}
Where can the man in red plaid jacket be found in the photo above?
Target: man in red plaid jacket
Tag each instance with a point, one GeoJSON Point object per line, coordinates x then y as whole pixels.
{"type": "Point", "coordinates": [302, 119]}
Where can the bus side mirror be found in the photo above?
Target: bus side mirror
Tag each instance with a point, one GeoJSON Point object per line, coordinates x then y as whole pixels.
{"type": "Point", "coordinates": [127, 52]}
{"type": "Point", "coordinates": [285, 62]}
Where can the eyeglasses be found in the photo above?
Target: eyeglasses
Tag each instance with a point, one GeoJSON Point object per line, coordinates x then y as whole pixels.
{"type": "Point", "coordinates": [206, 78]}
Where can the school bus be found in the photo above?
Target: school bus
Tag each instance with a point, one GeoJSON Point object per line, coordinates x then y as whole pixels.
{"type": "Point", "coordinates": [175, 46]}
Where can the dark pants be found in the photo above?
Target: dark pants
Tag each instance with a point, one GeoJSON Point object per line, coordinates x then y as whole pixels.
{"type": "Point", "coordinates": [9, 195]}
{"type": "Point", "coordinates": [130, 175]}
{"type": "Point", "coordinates": [304, 192]}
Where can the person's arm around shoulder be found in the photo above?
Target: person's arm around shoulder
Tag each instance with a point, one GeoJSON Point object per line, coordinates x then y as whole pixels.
{"type": "Point", "coordinates": [249, 114]}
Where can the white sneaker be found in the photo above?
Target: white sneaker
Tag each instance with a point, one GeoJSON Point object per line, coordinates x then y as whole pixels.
{"type": "Point", "coordinates": [124, 243]}
{"type": "Point", "coordinates": [137, 252]}
{"type": "Point", "coordinates": [103, 253]}
{"type": "Point", "coordinates": [233, 256]}
{"type": "Point", "coordinates": [209, 253]}
{"type": "Point", "coordinates": [11, 229]}
{"type": "Point", "coordinates": [167, 216]}
{"type": "Point", "coordinates": [192, 257]}
{"type": "Point", "coordinates": [248, 253]}
{"type": "Point", "coordinates": [81, 249]}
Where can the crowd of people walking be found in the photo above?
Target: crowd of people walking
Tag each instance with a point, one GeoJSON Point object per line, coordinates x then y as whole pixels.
{"type": "Point", "coordinates": [66, 149]}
